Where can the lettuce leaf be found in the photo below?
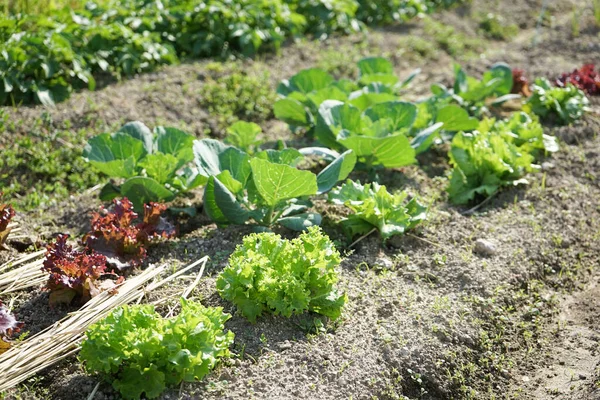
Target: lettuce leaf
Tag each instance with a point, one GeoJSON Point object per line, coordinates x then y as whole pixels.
{"type": "Point", "coordinates": [269, 274]}
{"type": "Point", "coordinates": [374, 207]}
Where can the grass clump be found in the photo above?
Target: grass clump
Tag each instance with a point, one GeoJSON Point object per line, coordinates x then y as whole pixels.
{"type": "Point", "coordinates": [42, 168]}
{"type": "Point", "coordinates": [233, 94]}
{"type": "Point", "coordinates": [494, 26]}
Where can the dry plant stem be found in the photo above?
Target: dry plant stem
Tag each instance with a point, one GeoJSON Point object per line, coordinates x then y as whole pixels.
{"type": "Point", "coordinates": [62, 338]}
{"type": "Point", "coordinates": [362, 237]}
{"type": "Point", "coordinates": [478, 206]}
{"type": "Point", "coordinates": [191, 287]}
{"type": "Point", "coordinates": [28, 275]}
{"type": "Point", "coordinates": [91, 396]}
{"type": "Point", "coordinates": [425, 240]}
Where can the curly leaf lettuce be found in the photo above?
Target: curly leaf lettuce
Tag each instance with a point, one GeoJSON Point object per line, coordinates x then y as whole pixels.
{"type": "Point", "coordinates": [143, 353]}
{"type": "Point", "coordinates": [269, 274]}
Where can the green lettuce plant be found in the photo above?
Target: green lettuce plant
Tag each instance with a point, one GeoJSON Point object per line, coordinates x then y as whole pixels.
{"type": "Point", "coordinates": [268, 274]}
{"type": "Point", "coordinates": [266, 188]}
{"type": "Point", "coordinates": [142, 353]}
{"type": "Point", "coordinates": [373, 207]}
{"type": "Point", "coordinates": [153, 164]}
{"type": "Point", "coordinates": [566, 105]}
{"type": "Point", "coordinates": [472, 94]}
{"type": "Point", "coordinates": [498, 153]}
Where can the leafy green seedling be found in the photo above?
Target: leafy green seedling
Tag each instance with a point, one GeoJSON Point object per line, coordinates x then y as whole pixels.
{"type": "Point", "coordinates": [498, 153]}
{"type": "Point", "coordinates": [303, 94]}
{"type": "Point", "coordinates": [375, 208]}
{"type": "Point", "coordinates": [269, 274]}
{"type": "Point", "coordinates": [566, 105]}
{"type": "Point", "coordinates": [244, 136]}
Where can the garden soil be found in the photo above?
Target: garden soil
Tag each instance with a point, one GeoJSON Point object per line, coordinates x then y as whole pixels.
{"type": "Point", "coordinates": [429, 315]}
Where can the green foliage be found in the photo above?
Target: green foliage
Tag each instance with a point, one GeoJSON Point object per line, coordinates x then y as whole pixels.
{"type": "Point", "coordinates": [494, 26]}
{"type": "Point", "coordinates": [456, 44]}
{"type": "Point", "coordinates": [269, 274]}
{"type": "Point", "coordinates": [564, 105]}
{"type": "Point", "coordinates": [238, 94]}
{"type": "Point", "coordinates": [44, 166]}
{"type": "Point", "coordinates": [373, 207]}
{"type": "Point", "coordinates": [266, 188]}
{"type": "Point", "coordinates": [303, 94]}
{"type": "Point", "coordinates": [496, 154]}
{"type": "Point", "coordinates": [143, 353]}
{"type": "Point", "coordinates": [389, 11]}
{"type": "Point", "coordinates": [44, 57]}
{"type": "Point", "coordinates": [473, 94]}
{"type": "Point", "coordinates": [243, 135]}
{"type": "Point", "coordinates": [151, 162]}
{"type": "Point", "coordinates": [382, 134]}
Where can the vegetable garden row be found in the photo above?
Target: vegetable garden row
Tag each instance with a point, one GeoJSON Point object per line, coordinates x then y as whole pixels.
{"type": "Point", "coordinates": [361, 125]}
{"type": "Point", "coordinates": [43, 58]}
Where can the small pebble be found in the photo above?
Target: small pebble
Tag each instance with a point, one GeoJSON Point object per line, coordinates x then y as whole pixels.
{"type": "Point", "coordinates": [546, 165]}
{"type": "Point", "coordinates": [285, 345]}
{"type": "Point", "coordinates": [484, 247]}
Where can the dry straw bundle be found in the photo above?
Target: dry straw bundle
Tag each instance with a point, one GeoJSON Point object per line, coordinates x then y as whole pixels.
{"type": "Point", "coordinates": [22, 273]}
{"type": "Point", "coordinates": [63, 338]}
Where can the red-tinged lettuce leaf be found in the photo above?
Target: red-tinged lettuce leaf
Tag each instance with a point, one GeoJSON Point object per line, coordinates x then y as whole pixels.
{"type": "Point", "coordinates": [584, 78]}
{"type": "Point", "coordinates": [73, 273]}
{"type": "Point", "coordinates": [116, 236]}
{"type": "Point", "coordinates": [520, 83]}
{"type": "Point", "coordinates": [6, 215]}
{"type": "Point", "coordinates": [154, 224]}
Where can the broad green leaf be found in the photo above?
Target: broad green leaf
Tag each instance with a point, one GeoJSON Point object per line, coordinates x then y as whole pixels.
{"type": "Point", "coordinates": [141, 190]}
{"type": "Point", "coordinates": [278, 182]}
{"type": "Point", "coordinates": [228, 204]}
{"type": "Point", "coordinates": [291, 112]}
{"type": "Point", "coordinates": [455, 118]}
{"type": "Point", "coordinates": [116, 168]}
{"type": "Point", "coordinates": [119, 147]}
{"type": "Point", "coordinates": [425, 138]}
{"type": "Point", "coordinates": [160, 167]}
{"type": "Point", "coordinates": [141, 132]}
{"type": "Point", "coordinates": [366, 100]}
{"type": "Point", "coordinates": [340, 115]}
{"type": "Point", "coordinates": [232, 184]}
{"type": "Point", "coordinates": [243, 135]}
{"type": "Point", "coordinates": [338, 170]}
{"type": "Point", "coordinates": [503, 73]}
{"type": "Point", "coordinates": [213, 157]}
{"type": "Point", "coordinates": [211, 207]}
{"type": "Point", "coordinates": [109, 192]}
{"type": "Point", "coordinates": [375, 65]}
{"type": "Point", "coordinates": [402, 114]}
{"type": "Point", "coordinates": [388, 80]}
{"type": "Point", "coordinates": [328, 93]}
{"type": "Point", "coordinates": [306, 81]}
{"type": "Point", "coordinates": [390, 151]}
{"type": "Point", "coordinates": [176, 142]}
{"type": "Point", "coordinates": [289, 157]}
{"type": "Point", "coordinates": [300, 222]}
